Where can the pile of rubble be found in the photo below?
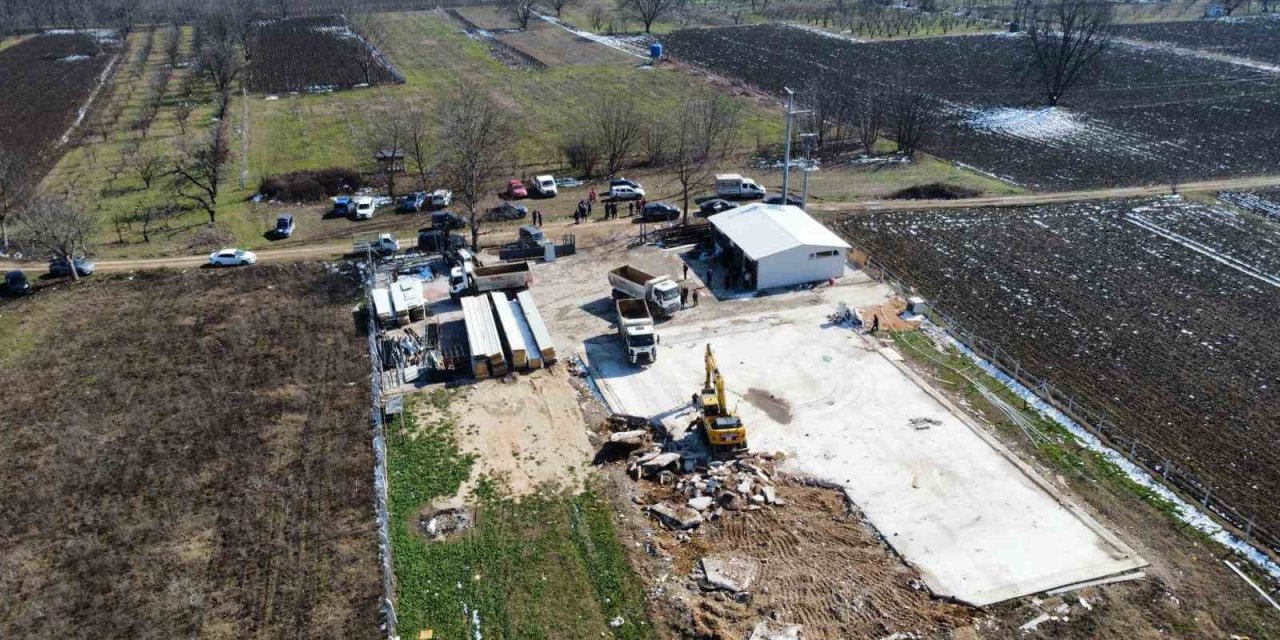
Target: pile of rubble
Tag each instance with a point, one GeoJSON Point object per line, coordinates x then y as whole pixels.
{"type": "Point", "coordinates": [706, 491]}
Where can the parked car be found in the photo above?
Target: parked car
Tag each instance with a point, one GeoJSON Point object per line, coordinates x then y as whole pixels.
{"type": "Point", "coordinates": [623, 182]}
{"type": "Point", "coordinates": [545, 186]}
{"type": "Point", "coordinates": [16, 284]}
{"type": "Point", "coordinates": [447, 220]}
{"type": "Point", "coordinates": [413, 202]}
{"type": "Point", "coordinates": [364, 208]}
{"type": "Point", "coordinates": [714, 206]}
{"type": "Point", "coordinates": [506, 211]}
{"type": "Point", "coordinates": [776, 198]}
{"type": "Point", "coordinates": [658, 211]}
{"type": "Point", "coordinates": [435, 240]}
{"type": "Point", "coordinates": [232, 258]}
{"type": "Point", "coordinates": [284, 225]}
{"type": "Point", "coordinates": [440, 198]}
{"type": "Point", "coordinates": [515, 189]}
{"type": "Point", "coordinates": [530, 234]}
{"type": "Point", "coordinates": [60, 267]}
{"type": "Point", "coordinates": [342, 206]}
{"type": "Point", "coordinates": [625, 192]}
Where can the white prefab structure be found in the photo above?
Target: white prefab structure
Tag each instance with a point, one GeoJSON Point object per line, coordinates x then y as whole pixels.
{"type": "Point", "coordinates": [482, 338]}
{"type": "Point", "coordinates": [411, 294]}
{"type": "Point", "coordinates": [511, 334]}
{"type": "Point", "coordinates": [382, 306]}
{"type": "Point", "coordinates": [774, 245]}
{"type": "Point", "coordinates": [539, 328]}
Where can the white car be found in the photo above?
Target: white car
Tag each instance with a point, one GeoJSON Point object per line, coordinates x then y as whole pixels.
{"type": "Point", "coordinates": [624, 192]}
{"type": "Point", "coordinates": [440, 198]}
{"type": "Point", "coordinates": [364, 208]}
{"type": "Point", "coordinates": [545, 185]}
{"type": "Point", "coordinates": [232, 258]}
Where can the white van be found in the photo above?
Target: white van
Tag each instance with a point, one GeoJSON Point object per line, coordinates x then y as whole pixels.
{"type": "Point", "coordinates": [545, 186]}
{"type": "Point", "coordinates": [364, 208]}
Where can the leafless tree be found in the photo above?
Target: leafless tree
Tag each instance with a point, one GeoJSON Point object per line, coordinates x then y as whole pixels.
{"type": "Point", "coordinates": [616, 125]}
{"type": "Point", "coordinates": [151, 214]}
{"type": "Point", "coordinates": [197, 171]}
{"type": "Point", "coordinates": [916, 116]}
{"type": "Point", "coordinates": [182, 114]}
{"type": "Point", "coordinates": [15, 190]}
{"type": "Point", "coordinates": [703, 133]}
{"type": "Point", "coordinates": [581, 152]}
{"type": "Point", "coordinates": [560, 5]}
{"type": "Point", "coordinates": [387, 137]}
{"type": "Point", "coordinates": [519, 10]}
{"type": "Point", "coordinates": [1065, 39]}
{"type": "Point", "coordinates": [220, 64]}
{"type": "Point", "coordinates": [148, 164]}
{"type": "Point", "coordinates": [373, 34]}
{"type": "Point", "coordinates": [654, 136]}
{"type": "Point", "coordinates": [475, 142]}
{"type": "Point", "coordinates": [869, 113]}
{"type": "Point", "coordinates": [648, 11]}
{"type": "Point", "coordinates": [58, 228]}
{"type": "Point", "coordinates": [598, 15]}
{"type": "Point", "coordinates": [418, 144]}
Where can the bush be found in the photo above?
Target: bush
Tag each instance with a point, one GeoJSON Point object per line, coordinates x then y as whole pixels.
{"type": "Point", "coordinates": [310, 186]}
{"type": "Point", "coordinates": [934, 191]}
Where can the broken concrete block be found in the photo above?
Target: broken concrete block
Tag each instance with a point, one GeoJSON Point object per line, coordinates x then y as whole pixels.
{"type": "Point", "coordinates": [729, 500]}
{"type": "Point", "coordinates": [728, 573]}
{"type": "Point", "coordinates": [744, 487]}
{"type": "Point", "coordinates": [770, 495]}
{"type": "Point", "coordinates": [1034, 622]}
{"type": "Point", "coordinates": [659, 462]}
{"type": "Point", "coordinates": [758, 498]}
{"type": "Point", "coordinates": [701, 503]}
{"type": "Point", "coordinates": [676, 517]}
{"type": "Point", "coordinates": [773, 631]}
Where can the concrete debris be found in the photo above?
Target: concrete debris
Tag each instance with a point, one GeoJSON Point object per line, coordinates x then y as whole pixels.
{"type": "Point", "coordinates": [770, 495]}
{"type": "Point", "coordinates": [617, 622]}
{"type": "Point", "coordinates": [701, 503]}
{"type": "Point", "coordinates": [676, 517]}
{"type": "Point", "coordinates": [766, 630]}
{"type": "Point", "coordinates": [920, 424]}
{"type": "Point", "coordinates": [445, 522]}
{"type": "Point", "coordinates": [1034, 622]}
{"type": "Point", "coordinates": [638, 437]}
{"type": "Point", "coordinates": [902, 635]}
{"type": "Point", "coordinates": [722, 573]}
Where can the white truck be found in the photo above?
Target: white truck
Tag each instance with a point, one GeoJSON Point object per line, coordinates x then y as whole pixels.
{"type": "Point", "coordinates": [545, 186]}
{"type": "Point", "coordinates": [635, 328]}
{"type": "Point", "coordinates": [660, 291]}
{"type": "Point", "coordinates": [365, 207]}
{"type": "Point", "coordinates": [381, 244]}
{"type": "Point", "coordinates": [733, 185]}
{"type": "Point", "coordinates": [466, 279]}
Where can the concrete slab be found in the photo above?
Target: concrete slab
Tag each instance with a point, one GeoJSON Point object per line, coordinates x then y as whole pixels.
{"type": "Point", "coordinates": [979, 525]}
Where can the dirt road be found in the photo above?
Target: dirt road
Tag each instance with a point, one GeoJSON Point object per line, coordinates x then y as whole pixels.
{"type": "Point", "coordinates": [595, 232]}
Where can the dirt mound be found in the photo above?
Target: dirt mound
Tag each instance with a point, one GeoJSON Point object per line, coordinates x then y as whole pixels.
{"type": "Point", "coordinates": [934, 191]}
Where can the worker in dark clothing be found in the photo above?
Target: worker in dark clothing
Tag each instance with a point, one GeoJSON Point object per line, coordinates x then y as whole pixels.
{"type": "Point", "coordinates": [875, 323]}
{"type": "Point", "coordinates": [708, 280]}
{"type": "Point", "coordinates": [686, 272]}
{"type": "Point", "coordinates": [684, 297]}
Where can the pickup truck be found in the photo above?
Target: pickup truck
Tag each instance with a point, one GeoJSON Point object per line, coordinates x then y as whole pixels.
{"type": "Point", "coordinates": [364, 208]}
{"type": "Point", "coordinates": [734, 186]}
{"type": "Point", "coordinates": [635, 328]}
{"type": "Point", "coordinates": [470, 280]}
{"type": "Point", "coordinates": [380, 245]}
{"type": "Point", "coordinates": [660, 291]}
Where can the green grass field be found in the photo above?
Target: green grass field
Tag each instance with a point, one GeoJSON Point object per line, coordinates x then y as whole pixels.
{"type": "Point", "coordinates": [547, 566]}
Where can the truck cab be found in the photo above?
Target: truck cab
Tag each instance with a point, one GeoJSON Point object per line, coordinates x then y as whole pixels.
{"type": "Point", "coordinates": [732, 185]}
{"type": "Point", "coordinates": [635, 328]}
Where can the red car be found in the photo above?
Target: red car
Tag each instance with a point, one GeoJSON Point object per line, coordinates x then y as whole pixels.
{"type": "Point", "coordinates": [515, 189]}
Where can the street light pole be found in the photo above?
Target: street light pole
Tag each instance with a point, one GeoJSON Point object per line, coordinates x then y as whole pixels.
{"type": "Point", "coordinates": [786, 153]}
{"type": "Point", "coordinates": [808, 166]}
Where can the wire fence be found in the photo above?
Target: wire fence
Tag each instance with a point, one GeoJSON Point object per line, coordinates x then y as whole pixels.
{"type": "Point", "coordinates": [1176, 477]}
{"type": "Point", "coordinates": [379, 453]}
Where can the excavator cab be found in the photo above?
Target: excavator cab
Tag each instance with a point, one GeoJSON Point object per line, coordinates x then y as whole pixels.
{"type": "Point", "coordinates": [724, 430]}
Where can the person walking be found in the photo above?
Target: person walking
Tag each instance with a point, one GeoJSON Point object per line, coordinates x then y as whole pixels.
{"type": "Point", "coordinates": [695, 297]}
{"type": "Point", "coordinates": [591, 195]}
{"type": "Point", "coordinates": [589, 205]}
{"type": "Point", "coordinates": [875, 323]}
{"type": "Point", "coordinates": [684, 297]}
{"type": "Point", "coordinates": [686, 272]}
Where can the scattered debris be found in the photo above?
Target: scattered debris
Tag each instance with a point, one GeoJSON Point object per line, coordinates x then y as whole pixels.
{"type": "Point", "coordinates": [1034, 622]}
{"type": "Point", "coordinates": [617, 622]}
{"type": "Point", "coordinates": [446, 522]}
{"type": "Point", "coordinates": [734, 575]}
{"type": "Point", "coordinates": [921, 424]}
{"type": "Point", "coordinates": [766, 630]}
{"type": "Point", "coordinates": [676, 517]}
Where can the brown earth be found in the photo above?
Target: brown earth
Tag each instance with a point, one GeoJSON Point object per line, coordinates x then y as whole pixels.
{"type": "Point", "coordinates": [187, 455]}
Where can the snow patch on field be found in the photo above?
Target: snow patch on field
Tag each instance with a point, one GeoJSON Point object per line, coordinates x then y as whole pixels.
{"type": "Point", "coordinates": [1042, 124]}
{"type": "Point", "coordinates": [75, 58]}
{"type": "Point", "coordinates": [823, 32]}
{"type": "Point", "coordinates": [625, 45]}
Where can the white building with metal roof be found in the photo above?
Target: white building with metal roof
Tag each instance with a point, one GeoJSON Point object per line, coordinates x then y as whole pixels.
{"type": "Point", "coordinates": [772, 245]}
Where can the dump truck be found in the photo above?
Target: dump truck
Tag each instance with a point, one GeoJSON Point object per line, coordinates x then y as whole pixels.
{"type": "Point", "coordinates": [660, 291]}
{"type": "Point", "coordinates": [723, 428]}
{"type": "Point", "coordinates": [379, 245]}
{"type": "Point", "coordinates": [468, 280]}
{"type": "Point", "coordinates": [635, 328]}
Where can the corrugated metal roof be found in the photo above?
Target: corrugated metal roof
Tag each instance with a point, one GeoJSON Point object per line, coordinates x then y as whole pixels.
{"type": "Point", "coordinates": [765, 229]}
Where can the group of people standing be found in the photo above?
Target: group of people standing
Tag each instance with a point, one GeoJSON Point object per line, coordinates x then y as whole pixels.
{"type": "Point", "coordinates": [585, 207]}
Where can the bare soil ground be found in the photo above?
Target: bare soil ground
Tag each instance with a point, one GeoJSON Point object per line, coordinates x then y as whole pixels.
{"type": "Point", "coordinates": [187, 455]}
{"type": "Point", "coordinates": [528, 433]}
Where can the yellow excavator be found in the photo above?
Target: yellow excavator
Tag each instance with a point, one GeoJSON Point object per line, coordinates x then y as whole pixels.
{"type": "Point", "coordinates": [724, 430]}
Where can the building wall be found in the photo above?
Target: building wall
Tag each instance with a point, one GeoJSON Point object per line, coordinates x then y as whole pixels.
{"type": "Point", "coordinates": [795, 266]}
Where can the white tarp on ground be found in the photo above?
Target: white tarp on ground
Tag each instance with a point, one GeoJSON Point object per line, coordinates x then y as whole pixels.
{"type": "Point", "coordinates": [978, 524]}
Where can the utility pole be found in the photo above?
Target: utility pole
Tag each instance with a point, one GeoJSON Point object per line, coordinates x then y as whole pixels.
{"type": "Point", "coordinates": [808, 166]}
{"type": "Point", "coordinates": [786, 154]}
